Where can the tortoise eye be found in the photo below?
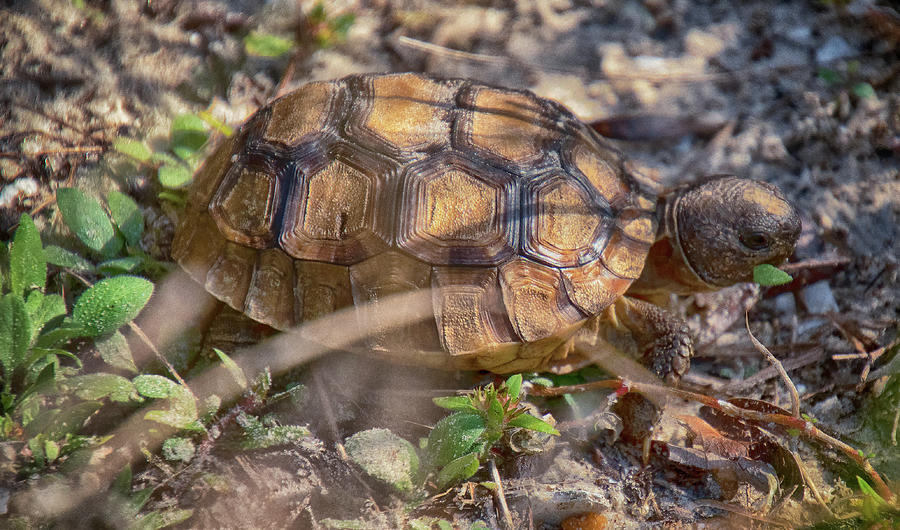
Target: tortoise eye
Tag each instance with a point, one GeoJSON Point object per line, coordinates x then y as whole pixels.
{"type": "Point", "coordinates": [755, 240]}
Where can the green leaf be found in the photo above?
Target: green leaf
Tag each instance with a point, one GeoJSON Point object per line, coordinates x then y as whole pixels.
{"type": "Point", "coordinates": [385, 456]}
{"type": "Point", "coordinates": [236, 373]}
{"type": "Point", "coordinates": [61, 334]}
{"type": "Point", "coordinates": [341, 24]}
{"type": "Point", "coordinates": [767, 275]}
{"type": "Point", "coordinates": [457, 403]}
{"type": "Point", "coordinates": [111, 303]}
{"type": "Point", "coordinates": [266, 45]}
{"type": "Point", "coordinates": [453, 437]}
{"type": "Point", "coordinates": [116, 266]}
{"type": "Point", "coordinates": [175, 176]}
{"type": "Point", "coordinates": [122, 484]}
{"type": "Point", "coordinates": [830, 76]}
{"type": "Point", "coordinates": [27, 265]}
{"type": "Point", "coordinates": [43, 381]}
{"type": "Point", "coordinates": [458, 469]}
{"type": "Point", "coordinates": [182, 411]}
{"type": "Point", "coordinates": [514, 386]}
{"type": "Point", "coordinates": [133, 148]}
{"type": "Point", "coordinates": [216, 124]}
{"type": "Point", "coordinates": [863, 91]}
{"type": "Point", "coordinates": [162, 519]}
{"type": "Point", "coordinates": [127, 216]}
{"type": "Point", "coordinates": [66, 259]}
{"type": "Point", "coordinates": [42, 309]}
{"type": "Point", "coordinates": [178, 449]}
{"type": "Point", "coordinates": [15, 334]}
{"type": "Point", "coordinates": [188, 135]}
{"type": "Point", "coordinates": [56, 423]}
{"type": "Point", "coordinates": [154, 386]}
{"type": "Point", "coordinates": [51, 450]}
{"type": "Point", "coordinates": [101, 385]}
{"type": "Point", "coordinates": [175, 197]}
{"type": "Point", "coordinates": [86, 218]}
{"type": "Point", "coordinates": [527, 421]}
{"type": "Point", "coordinates": [869, 491]}
{"type": "Point", "coordinates": [494, 414]}
{"type": "Point", "coordinates": [4, 266]}
{"type": "Point", "coordinates": [115, 352]}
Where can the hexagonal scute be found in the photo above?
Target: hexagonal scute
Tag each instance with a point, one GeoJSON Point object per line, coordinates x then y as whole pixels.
{"type": "Point", "coordinates": [535, 301]}
{"type": "Point", "coordinates": [342, 212]}
{"type": "Point", "coordinates": [505, 125]}
{"type": "Point", "coordinates": [303, 113]}
{"type": "Point", "coordinates": [197, 244]}
{"type": "Point", "coordinates": [246, 205]}
{"type": "Point", "coordinates": [404, 113]}
{"type": "Point", "coordinates": [457, 212]}
{"type": "Point", "coordinates": [563, 226]}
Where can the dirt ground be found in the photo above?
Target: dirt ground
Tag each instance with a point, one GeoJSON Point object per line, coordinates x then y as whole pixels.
{"type": "Point", "coordinates": [802, 94]}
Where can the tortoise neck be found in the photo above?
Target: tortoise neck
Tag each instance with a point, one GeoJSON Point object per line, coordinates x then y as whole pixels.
{"type": "Point", "coordinates": [666, 269]}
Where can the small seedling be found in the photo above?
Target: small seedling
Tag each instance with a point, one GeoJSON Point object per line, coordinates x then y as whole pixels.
{"type": "Point", "coordinates": [461, 442]}
{"type": "Point", "coordinates": [175, 166]}
{"type": "Point", "coordinates": [328, 30]}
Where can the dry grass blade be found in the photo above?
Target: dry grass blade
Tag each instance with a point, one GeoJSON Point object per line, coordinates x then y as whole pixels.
{"type": "Point", "coordinates": [500, 497]}
{"type": "Point", "coordinates": [795, 396]}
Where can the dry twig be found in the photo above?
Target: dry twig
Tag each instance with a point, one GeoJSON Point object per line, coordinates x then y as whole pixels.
{"type": "Point", "coordinates": [806, 428]}
{"type": "Point", "coordinates": [795, 396]}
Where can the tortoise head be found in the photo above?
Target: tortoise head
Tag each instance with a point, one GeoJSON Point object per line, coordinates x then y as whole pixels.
{"type": "Point", "coordinates": [727, 226]}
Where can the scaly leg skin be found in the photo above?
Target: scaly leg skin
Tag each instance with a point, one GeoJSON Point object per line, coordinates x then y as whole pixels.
{"type": "Point", "coordinates": [659, 340]}
{"type": "Point", "coordinates": [645, 331]}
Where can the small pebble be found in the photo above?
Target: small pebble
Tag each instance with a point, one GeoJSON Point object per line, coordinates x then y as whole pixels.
{"type": "Point", "coordinates": [702, 44]}
{"type": "Point", "coordinates": [19, 188]}
{"type": "Point", "coordinates": [834, 48]}
{"type": "Point", "coordinates": [785, 305]}
{"type": "Point", "coordinates": [818, 298]}
{"type": "Point", "coordinates": [800, 34]}
{"type": "Point", "coordinates": [584, 521]}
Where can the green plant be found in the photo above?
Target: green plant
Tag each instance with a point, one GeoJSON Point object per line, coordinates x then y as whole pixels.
{"type": "Point", "coordinates": [35, 326]}
{"type": "Point", "coordinates": [848, 80]}
{"type": "Point", "coordinates": [111, 234]}
{"type": "Point", "coordinates": [328, 30]}
{"type": "Point", "coordinates": [128, 505]}
{"type": "Point", "coordinates": [461, 442]}
{"type": "Point", "coordinates": [175, 166]}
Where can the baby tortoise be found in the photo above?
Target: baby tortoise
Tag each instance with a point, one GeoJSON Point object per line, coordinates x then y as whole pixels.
{"type": "Point", "coordinates": [535, 236]}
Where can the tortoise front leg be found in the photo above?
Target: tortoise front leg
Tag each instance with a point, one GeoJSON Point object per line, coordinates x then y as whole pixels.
{"type": "Point", "coordinates": [659, 340]}
{"type": "Point", "coordinates": [646, 331]}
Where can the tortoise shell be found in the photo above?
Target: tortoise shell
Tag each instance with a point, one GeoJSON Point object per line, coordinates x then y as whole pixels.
{"type": "Point", "coordinates": [518, 216]}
